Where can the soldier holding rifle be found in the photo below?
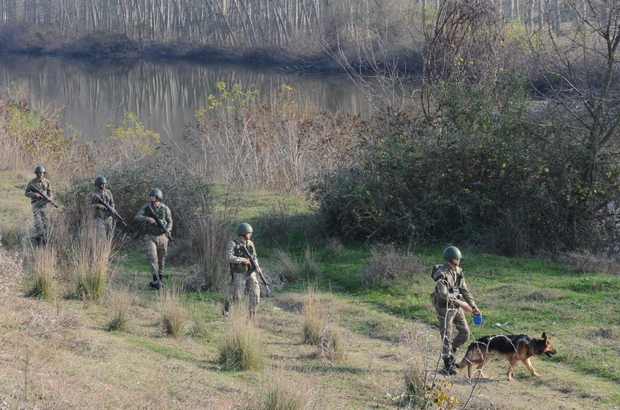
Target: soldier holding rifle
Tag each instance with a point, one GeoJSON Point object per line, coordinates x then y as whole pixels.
{"type": "Point", "coordinates": [243, 276]}
{"type": "Point", "coordinates": [158, 219]}
{"type": "Point", "coordinates": [39, 190]}
{"type": "Point", "coordinates": [102, 215]}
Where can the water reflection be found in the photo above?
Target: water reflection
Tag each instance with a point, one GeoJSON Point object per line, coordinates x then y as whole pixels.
{"type": "Point", "coordinates": [164, 94]}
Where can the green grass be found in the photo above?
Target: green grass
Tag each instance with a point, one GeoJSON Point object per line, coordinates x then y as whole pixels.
{"type": "Point", "coordinates": [578, 311]}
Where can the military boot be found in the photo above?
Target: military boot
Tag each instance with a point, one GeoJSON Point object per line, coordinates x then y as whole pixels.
{"type": "Point", "coordinates": [449, 366]}
{"type": "Point", "coordinates": [155, 283]}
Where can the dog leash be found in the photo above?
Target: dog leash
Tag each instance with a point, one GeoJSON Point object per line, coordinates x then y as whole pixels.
{"type": "Point", "coordinates": [502, 327]}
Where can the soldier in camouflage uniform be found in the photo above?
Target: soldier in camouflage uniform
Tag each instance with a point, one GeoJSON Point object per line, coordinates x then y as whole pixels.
{"type": "Point", "coordinates": [40, 208]}
{"type": "Point", "coordinates": [239, 266]}
{"type": "Point", "coordinates": [102, 217]}
{"type": "Point", "coordinates": [155, 239]}
{"type": "Point", "coordinates": [450, 298]}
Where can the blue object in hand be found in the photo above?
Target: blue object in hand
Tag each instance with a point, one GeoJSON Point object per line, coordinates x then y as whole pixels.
{"type": "Point", "coordinates": [477, 319]}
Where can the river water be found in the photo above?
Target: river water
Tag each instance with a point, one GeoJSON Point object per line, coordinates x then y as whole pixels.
{"type": "Point", "coordinates": [90, 95]}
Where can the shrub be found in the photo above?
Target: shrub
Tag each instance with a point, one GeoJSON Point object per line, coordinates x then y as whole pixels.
{"type": "Point", "coordinates": [173, 314]}
{"type": "Point", "coordinates": [42, 266]}
{"type": "Point", "coordinates": [313, 319]}
{"type": "Point", "coordinates": [386, 266]}
{"type": "Point", "coordinates": [331, 346]}
{"type": "Point", "coordinates": [120, 303]}
{"type": "Point", "coordinates": [239, 345]}
{"type": "Point", "coordinates": [284, 393]}
{"type": "Point", "coordinates": [91, 254]}
{"type": "Point", "coordinates": [306, 268]}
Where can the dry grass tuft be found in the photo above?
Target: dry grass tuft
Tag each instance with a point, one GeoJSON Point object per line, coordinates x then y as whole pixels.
{"type": "Point", "coordinates": [389, 266]}
{"type": "Point", "coordinates": [284, 393]}
{"type": "Point", "coordinates": [331, 346]}
{"type": "Point", "coordinates": [42, 267]}
{"type": "Point", "coordinates": [91, 255]}
{"type": "Point", "coordinates": [173, 313]}
{"type": "Point", "coordinates": [239, 345]}
{"type": "Point", "coordinates": [314, 318]}
{"type": "Point", "coordinates": [307, 268]}
{"type": "Point", "coordinates": [588, 262]}
{"type": "Point", "coordinates": [120, 303]}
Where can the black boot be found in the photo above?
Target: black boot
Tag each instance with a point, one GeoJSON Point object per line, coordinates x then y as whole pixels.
{"type": "Point", "coordinates": [449, 366]}
{"type": "Point", "coordinates": [155, 283]}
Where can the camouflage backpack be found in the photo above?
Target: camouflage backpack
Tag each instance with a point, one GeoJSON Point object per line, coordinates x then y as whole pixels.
{"type": "Point", "coordinates": [434, 269]}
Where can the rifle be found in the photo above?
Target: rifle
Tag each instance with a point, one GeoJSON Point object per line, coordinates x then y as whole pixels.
{"type": "Point", "coordinates": [161, 225]}
{"type": "Point", "coordinates": [254, 264]}
{"type": "Point", "coordinates": [44, 196]}
{"type": "Point", "coordinates": [111, 210]}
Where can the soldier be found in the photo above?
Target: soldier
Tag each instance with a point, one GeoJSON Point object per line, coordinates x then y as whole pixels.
{"type": "Point", "coordinates": [450, 298]}
{"type": "Point", "coordinates": [40, 208]}
{"type": "Point", "coordinates": [239, 266]}
{"type": "Point", "coordinates": [156, 239]}
{"type": "Point", "coordinates": [102, 216]}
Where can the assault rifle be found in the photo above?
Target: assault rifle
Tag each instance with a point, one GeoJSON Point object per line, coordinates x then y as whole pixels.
{"type": "Point", "coordinates": [44, 196]}
{"type": "Point", "coordinates": [149, 209]}
{"type": "Point", "coordinates": [111, 210]}
{"type": "Point", "coordinates": [254, 265]}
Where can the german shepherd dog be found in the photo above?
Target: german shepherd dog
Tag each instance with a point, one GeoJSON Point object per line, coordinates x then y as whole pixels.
{"type": "Point", "coordinates": [512, 348]}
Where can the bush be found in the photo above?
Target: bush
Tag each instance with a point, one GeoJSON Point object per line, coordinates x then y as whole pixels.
{"type": "Point", "coordinates": [41, 263]}
{"type": "Point", "coordinates": [239, 346]}
{"type": "Point", "coordinates": [173, 314]}
{"type": "Point", "coordinates": [386, 266]}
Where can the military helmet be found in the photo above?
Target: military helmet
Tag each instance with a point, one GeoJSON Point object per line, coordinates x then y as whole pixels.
{"type": "Point", "coordinates": [38, 169]}
{"type": "Point", "coordinates": [451, 252]}
{"type": "Point", "coordinates": [100, 180]}
{"type": "Point", "coordinates": [244, 228]}
{"type": "Point", "coordinates": [157, 192]}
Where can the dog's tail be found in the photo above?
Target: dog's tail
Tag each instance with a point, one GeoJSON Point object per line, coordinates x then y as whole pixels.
{"type": "Point", "coordinates": [462, 364]}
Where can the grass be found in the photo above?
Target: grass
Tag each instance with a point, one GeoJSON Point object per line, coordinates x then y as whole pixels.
{"type": "Point", "coordinates": [58, 353]}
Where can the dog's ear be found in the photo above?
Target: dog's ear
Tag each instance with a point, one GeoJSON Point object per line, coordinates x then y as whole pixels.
{"type": "Point", "coordinates": [544, 335]}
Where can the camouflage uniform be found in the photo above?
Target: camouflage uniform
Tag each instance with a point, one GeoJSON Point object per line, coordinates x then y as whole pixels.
{"type": "Point", "coordinates": [102, 218]}
{"type": "Point", "coordinates": [155, 240]}
{"type": "Point", "coordinates": [40, 208]}
{"type": "Point", "coordinates": [241, 282]}
{"type": "Point", "coordinates": [450, 288]}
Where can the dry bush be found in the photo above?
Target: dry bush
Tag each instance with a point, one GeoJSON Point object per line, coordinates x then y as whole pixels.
{"type": "Point", "coordinates": [280, 144]}
{"type": "Point", "coordinates": [173, 313]}
{"type": "Point", "coordinates": [91, 254]}
{"type": "Point", "coordinates": [423, 388]}
{"type": "Point", "coordinates": [41, 264]}
{"type": "Point", "coordinates": [313, 318]}
{"type": "Point", "coordinates": [388, 266]}
{"type": "Point", "coordinates": [239, 347]}
{"type": "Point", "coordinates": [120, 304]}
{"type": "Point", "coordinates": [334, 248]}
{"type": "Point", "coordinates": [331, 345]}
{"type": "Point", "coordinates": [588, 262]}
{"type": "Point", "coordinates": [290, 270]}
{"type": "Point", "coordinates": [284, 393]}
{"type": "Point", "coordinates": [209, 243]}
{"type": "Point", "coordinates": [11, 235]}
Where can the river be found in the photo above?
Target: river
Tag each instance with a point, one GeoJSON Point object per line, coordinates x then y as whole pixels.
{"type": "Point", "coordinates": [89, 95]}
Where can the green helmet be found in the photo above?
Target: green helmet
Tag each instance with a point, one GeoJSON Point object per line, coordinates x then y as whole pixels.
{"type": "Point", "coordinates": [157, 192]}
{"type": "Point", "coordinates": [451, 252]}
{"type": "Point", "coordinates": [100, 180]}
{"type": "Point", "coordinates": [244, 228]}
{"type": "Point", "coordinates": [38, 169]}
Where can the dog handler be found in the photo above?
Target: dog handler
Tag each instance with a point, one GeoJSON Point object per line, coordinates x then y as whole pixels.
{"type": "Point", "coordinates": [450, 298]}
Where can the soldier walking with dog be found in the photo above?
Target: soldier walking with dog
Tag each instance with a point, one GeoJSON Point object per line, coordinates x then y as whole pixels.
{"type": "Point", "coordinates": [240, 265]}
{"type": "Point", "coordinates": [450, 299]}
